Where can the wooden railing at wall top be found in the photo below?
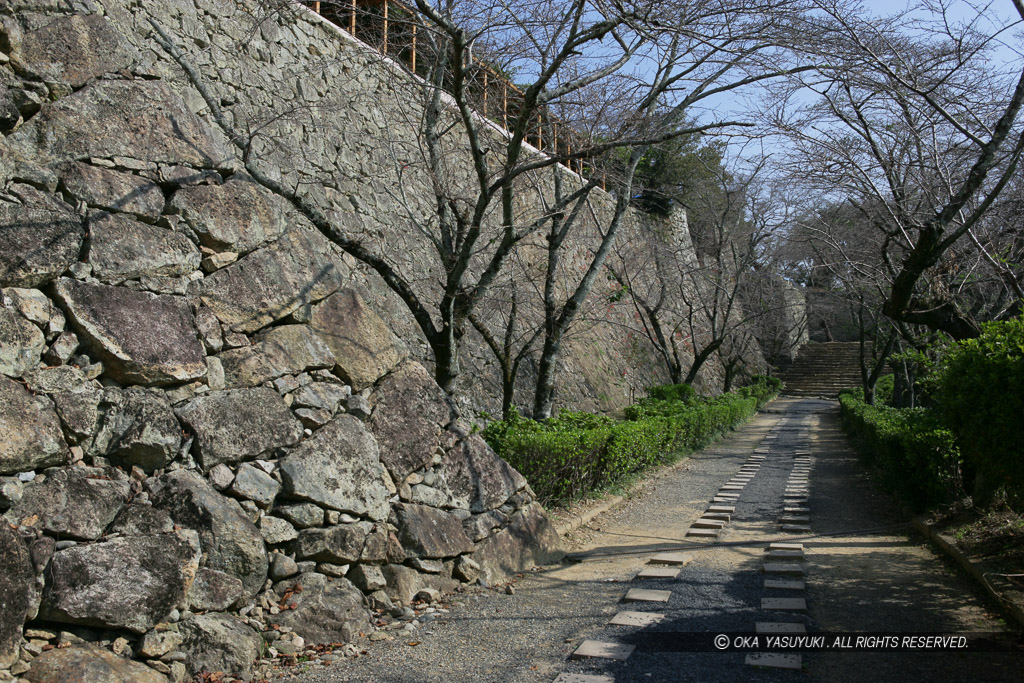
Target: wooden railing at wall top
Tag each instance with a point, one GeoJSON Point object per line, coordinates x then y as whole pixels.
{"type": "Point", "coordinates": [343, 14]}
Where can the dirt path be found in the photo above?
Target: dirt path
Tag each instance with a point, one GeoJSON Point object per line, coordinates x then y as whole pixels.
{"type": "Point", "coordinates": [863, 573]}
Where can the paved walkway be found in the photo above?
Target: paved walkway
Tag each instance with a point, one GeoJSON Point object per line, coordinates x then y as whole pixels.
{"type": "Point", "coordinates": [775, 530]}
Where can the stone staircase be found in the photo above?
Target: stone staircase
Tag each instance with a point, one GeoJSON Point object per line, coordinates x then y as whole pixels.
{"type": "Point", "coordinates": [822, 369]}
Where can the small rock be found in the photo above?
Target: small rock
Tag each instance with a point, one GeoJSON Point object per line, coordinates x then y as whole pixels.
{"type": "Point", "coordinates": [62, 349]}
{"type": "Point", "coordinates": [358, 407]}
{"type": "Point", "coordinates": [11, 491]}
{"type": "Point", "coordinates": [159, 643]}
{"type": "Point", "coordinates": [302, 515]}
{"type": "Point", "coordinates": [275, 530]}
{"type": "Point", "coordinates": [429, 595]}
{"type": "Point", "coordinates": [330, 569]}
{"type": "Point", "coordinates": [118, 646]}
{"type": "Point", "coordinates": [379, 599]}
{"type": "Point", "coordinates": [256, 485]}
{"type": "Point", "coordinates": [510, 590]}
{"type": "Point", "coordinates": [282, 566]}
{"type": "Point", "coordinates": [466, 569]}
{"type": "Point", "coordinates": [221, 476]}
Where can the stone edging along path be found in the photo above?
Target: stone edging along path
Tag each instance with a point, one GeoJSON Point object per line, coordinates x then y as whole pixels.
{"type": "Point", "coordinates": [947, 546]}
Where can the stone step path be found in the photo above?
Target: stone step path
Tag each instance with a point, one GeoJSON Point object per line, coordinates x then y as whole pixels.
{"type": "Point", "coordinates": [785, 446]}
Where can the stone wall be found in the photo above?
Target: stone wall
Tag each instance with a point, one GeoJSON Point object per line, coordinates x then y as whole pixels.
{"type": "Point", "coordinates": [210, 440]}
{"type": "Point", "coordinates": [333, 116]}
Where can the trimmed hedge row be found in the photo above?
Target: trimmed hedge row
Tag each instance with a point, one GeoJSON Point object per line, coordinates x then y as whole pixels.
{"type": "Point", "coordinates": [913, 450]}
{"type": "Point", "coordinates": [575, 453]}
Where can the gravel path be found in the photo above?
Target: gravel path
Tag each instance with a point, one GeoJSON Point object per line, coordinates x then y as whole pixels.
{"type": "Point", "coordinates": [855, 582]}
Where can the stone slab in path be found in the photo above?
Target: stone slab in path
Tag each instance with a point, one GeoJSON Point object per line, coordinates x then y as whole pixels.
{"type": "Point", "coordinates": [796, 510]}
{"type": "Point", "coordinates": [658, 572]}
{"type": "Point", "coordinates": [677, 559]}
{"type": "Point", "coordinates": [788, 604]}
{"type": "Point", "coordinates": [646, 595]}
{"type": "Point", "coordinates": [601, 650]}
{"type": "Point", "coordinates": [779, 628]}
{"type": "Point", "coordinates": [627, 618]}
{"type": "Point", "coordinates": [707, 523]}
{"type": "Point", "coordinates": [731, 487]}
{"type": "Point", "coordinates": [722, 508]}
{"type": "Point", "coordinates": [775, 660]}
{"type": "Point", "coordinates": [785, 584]}
{"type": "Point", "coordinates": [785, 555]}
{"type": "Point", "coordinates": [702, 533]}
{"type": "Point", "coordinates": [784, 568]}
{"type": "Point", "coordinates": [722, 516]}
{"type": "Point", "coordinates": [583, 678]}
{"type": "Point", "coordinates": [796, 528]}
{"type": "Point", "coordinates": [785, 546]}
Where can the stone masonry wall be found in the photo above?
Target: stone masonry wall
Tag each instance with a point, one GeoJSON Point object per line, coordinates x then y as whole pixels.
{"type": "Point", "coordinates": [210, 441]}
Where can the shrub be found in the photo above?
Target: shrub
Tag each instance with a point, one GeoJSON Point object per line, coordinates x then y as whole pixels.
{"type": "Point", "coordinates": [673, 392]}
{"type": "Point", "coordinates": [913, 450]}
{"type": "Point", "coordinates": [980, 395]}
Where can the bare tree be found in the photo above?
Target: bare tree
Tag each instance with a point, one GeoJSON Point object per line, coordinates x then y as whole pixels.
{"type": "Point", "coordinates": [916, 125]}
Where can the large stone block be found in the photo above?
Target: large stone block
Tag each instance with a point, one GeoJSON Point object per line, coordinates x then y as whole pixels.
{"type": "Point", "coordinates": [17, 586]}
{"type": "Point", "coordinates": [69, 49]}
{"type": "Point", "coordinates": [528, 540]}
{"type": "Point", "coordinates": [39, 238]}
{"type": "Point", "coordinates": [362, 344]}
{"type": "Point", "coordinates": [325, 611]}
{"type": "Point", "coordinates": [474, 478]}
{"type": "Point", "coordinates": [32, 437]}
{"type": "Point", "coordinates": [121, 118]}
{"type": "Point", "coordinates": [237, 216]}
{"type": "Point", "coordinates": [75, 503]}
{"type": "Point", "coordinates": [130, 582]}
{"type": "Point", "coordinates": [85, 663]}
{"type": "Point", "coordinates": [282, 350]}
{"type": "Point", "coordinates": [409, 412]}
{"type": "Point", "coordinates": [102, 188]}
{"type": "Point", "coordinates": [143, 338]}
{"type": "Point", "coordinates": [220, 642]}
{"type": "Point", "coordinates": [138, 428]}
{"type": "Point", "coordinates": [242, 424]}
{"type": "Point", "coordinates": [21, 343]}
{"type": "Point", "coordinates": [122, 248]}
{"type": "Point", "coordinates": [339, 468]}
{"type": "Point", "coordinates": [301, 267]}
{"type": "Point", "coordinates": [230, 541]}
{"type": "Point", "coordinates": [427, 532]}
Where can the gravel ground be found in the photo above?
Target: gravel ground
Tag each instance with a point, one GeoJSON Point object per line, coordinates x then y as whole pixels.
{"type": "Point", "coordinates": [856, 581]}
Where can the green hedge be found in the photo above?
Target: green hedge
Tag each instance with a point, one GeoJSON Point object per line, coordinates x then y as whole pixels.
{"type": "Point", "coordinates": [915, 452]}
{"type": "Point", "coordinates": [575, 453]}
